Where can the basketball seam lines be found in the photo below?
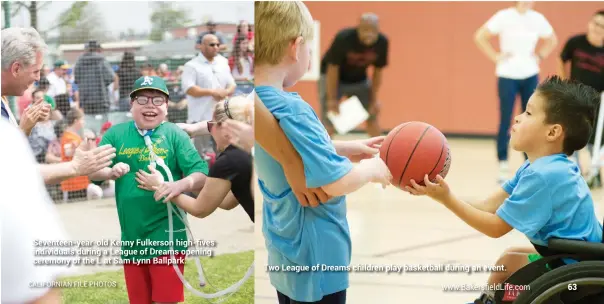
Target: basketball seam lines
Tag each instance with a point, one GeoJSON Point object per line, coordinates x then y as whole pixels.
{"type": "Point", "coordinates": [393, 137]}
{"type": "Point", "coordinates": [411, 156]}
{"type": "Point", "coordinates": [442, 148]}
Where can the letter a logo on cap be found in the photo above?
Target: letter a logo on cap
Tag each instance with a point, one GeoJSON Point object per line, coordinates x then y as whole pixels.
{"type": "Point", "coordinates": [148, 81]}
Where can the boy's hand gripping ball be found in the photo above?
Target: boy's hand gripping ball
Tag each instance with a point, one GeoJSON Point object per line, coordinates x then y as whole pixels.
{"type": "Point", "coordinates": [414, 149]}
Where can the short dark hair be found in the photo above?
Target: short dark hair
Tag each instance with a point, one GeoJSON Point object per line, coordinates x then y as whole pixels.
{"type": "Point", "coordinates": [93, 45]}
{"type": "Point", "coordinates": [43, 83]}
{"type": "Point", "coordinates": [62, 102]}
{"type": "Point", "coordinates": [572, 105]}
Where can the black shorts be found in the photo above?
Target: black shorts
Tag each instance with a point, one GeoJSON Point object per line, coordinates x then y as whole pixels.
{"type": "Point", "coordinates": [362, 90]}
{"type": "Point", "coordinates": [334, 298]}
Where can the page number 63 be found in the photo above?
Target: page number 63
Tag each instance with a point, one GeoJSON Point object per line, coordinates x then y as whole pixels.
{"type": "Point", "coordinates": [572, 286]}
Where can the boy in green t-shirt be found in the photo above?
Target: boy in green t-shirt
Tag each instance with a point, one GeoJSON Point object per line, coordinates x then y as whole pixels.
{"type": "Point", "coordinates": [143, 221]}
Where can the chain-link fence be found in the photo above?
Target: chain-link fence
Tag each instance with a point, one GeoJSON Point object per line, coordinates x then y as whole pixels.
{"type": "Point", "coordinates": [89, 73]}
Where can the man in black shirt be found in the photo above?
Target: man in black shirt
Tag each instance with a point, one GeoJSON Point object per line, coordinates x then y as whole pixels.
{"type": "Point", "coordinates": [585, 55]}
{"type": "Point", "coordinates": [585, 52]}
{"type": "Point", "coordinates": [344, 70]}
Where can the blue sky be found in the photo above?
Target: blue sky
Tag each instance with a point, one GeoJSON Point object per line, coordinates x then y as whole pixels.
{"type": "Point", "coordinates": [122, 15]}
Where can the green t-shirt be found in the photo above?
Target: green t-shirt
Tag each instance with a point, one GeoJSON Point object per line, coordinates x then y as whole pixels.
{"type": "Point", "coordinates": [50, 101]}
{"type": "Point", "coordinates": [142, 219]}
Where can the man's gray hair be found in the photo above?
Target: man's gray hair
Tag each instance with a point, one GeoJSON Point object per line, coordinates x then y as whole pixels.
{"type": "Point", "coordinates": [20, 45]}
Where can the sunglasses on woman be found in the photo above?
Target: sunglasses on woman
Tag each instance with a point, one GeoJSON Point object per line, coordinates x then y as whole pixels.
{"type": "Point", "coordinates": [211, 124]}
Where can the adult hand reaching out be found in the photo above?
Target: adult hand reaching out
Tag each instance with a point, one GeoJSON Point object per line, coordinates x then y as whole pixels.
{"type": "Point", "coordinates": [87, 160]}
{"type": "Point", "coordinates": [190, 129]}
{"type": "Point", "coordinates": [241, 134]}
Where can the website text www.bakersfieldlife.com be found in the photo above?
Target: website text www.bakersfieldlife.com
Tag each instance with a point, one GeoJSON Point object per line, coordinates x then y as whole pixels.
{"type": "Point", "coordinates": [413, 268]}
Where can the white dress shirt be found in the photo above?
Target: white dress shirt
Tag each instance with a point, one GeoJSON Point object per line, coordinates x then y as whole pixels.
{"type": "Point", "coordinates": [200, 72]}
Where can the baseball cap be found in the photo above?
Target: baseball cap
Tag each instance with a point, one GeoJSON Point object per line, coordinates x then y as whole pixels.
{"type": "Point", "coordinates": [61, 64]}
{"type": "Point", "coordinates": [150, 83]}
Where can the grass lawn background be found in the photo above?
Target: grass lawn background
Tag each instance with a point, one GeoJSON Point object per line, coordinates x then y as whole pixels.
{"type": "Point", "coordinates": [220, 271]}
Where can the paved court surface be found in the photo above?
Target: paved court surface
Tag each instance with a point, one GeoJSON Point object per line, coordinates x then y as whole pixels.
{"type": "Point", "coordinates": [97, 220]}
{"type": "Point", "coordinates": [390, 227]}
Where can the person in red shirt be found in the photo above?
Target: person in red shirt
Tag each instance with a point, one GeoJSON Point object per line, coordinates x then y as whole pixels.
{"type": "Point", "coordinates": [104, 129]}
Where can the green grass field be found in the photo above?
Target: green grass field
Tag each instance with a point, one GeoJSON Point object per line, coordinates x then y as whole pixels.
{"type": "Point", "coordinates": [221, 272]}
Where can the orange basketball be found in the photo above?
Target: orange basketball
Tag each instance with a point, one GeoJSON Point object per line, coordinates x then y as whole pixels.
{"type": "Point", "coordinates": [414, 149]}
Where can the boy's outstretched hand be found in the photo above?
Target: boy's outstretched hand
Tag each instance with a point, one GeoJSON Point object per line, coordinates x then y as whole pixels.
{"type": "Point", "coordinates": [149, 181]}
{"type": "Point", "coordinates": [378, 170]}
{"type": "Point", "coordinates": [357, 150]}
{"type": "Point", "coordinates": [118, 170]}
{"type": "Point", "coordinates": [438, 191]}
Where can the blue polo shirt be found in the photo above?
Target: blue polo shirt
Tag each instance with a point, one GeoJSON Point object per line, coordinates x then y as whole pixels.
{"type": "Point", "coordinates": [549, 198]}
{"type": "Point", "coordinates": [297, 237]}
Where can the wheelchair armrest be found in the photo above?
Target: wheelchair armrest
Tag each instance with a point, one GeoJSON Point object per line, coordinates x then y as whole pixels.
{"type": "Point", "coordinates": [576, 247]}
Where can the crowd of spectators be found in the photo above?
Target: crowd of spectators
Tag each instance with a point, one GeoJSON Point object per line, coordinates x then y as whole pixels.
{"type": "Point", "coordinates": [91, 95]}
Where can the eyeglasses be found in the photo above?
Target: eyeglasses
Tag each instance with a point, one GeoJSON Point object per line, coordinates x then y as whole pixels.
{"type": "Point", "coordinates": [211, 124]}
{"type": "Point", "coordinates": [214, 44]}
{"type": "Point", "coordinates": [157, 100]}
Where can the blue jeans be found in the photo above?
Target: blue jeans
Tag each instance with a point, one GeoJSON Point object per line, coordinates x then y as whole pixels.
{"type": "Point", "coordinates": [508, 89]}
{"type": "Point", "coordinates": [244, 89]}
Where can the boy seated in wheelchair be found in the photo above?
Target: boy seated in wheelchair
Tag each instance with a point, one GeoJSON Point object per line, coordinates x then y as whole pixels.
{"type": "Point", "coordinates": [547, 197]}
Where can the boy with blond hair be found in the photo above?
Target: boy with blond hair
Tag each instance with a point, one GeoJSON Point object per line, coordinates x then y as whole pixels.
{"type": "Point", "coordinates": [299, 237]}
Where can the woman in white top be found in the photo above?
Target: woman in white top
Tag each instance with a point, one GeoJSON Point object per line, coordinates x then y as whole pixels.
{"type": "Point", "coordinates": [517, 63]}
{"type": "Point", "coordinates": [242, 66]}
{"type": "Point", "coordinates": [243, 62]}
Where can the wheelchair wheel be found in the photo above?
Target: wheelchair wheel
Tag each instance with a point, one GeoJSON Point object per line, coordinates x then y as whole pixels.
{"type": "Point", "coordinates": [580, 283]}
